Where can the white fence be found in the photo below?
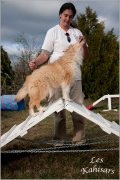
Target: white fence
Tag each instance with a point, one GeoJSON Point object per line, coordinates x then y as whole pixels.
{"type": "Point", "coordinates": [109, 97]}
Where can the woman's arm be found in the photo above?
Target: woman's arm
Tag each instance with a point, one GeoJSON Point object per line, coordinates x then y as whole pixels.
{"type": "Point", "coordinates": [43, 57]}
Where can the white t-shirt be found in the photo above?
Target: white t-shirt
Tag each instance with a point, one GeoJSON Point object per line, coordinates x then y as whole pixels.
{"type": "Point", "coordinates": [56, 42]}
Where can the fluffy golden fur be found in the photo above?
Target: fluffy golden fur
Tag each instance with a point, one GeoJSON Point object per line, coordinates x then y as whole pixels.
{"type": "Point", "coordinates": [61, 73]}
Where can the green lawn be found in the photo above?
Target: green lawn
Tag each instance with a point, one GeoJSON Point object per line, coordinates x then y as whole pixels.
{"type": "Point", "coordinates": [60, 165]}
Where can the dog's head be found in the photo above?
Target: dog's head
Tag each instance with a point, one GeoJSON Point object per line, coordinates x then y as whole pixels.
{"type": "Point", "coordinates": [78, 48]}
{"type": "Point", "coordinates": [80, 43]}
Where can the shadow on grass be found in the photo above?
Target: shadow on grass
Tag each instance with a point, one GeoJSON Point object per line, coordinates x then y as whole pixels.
{"type": "Point", "coordinates": [7, 158]}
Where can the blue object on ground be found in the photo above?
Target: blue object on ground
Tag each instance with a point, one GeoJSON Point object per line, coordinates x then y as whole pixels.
{"type": "Point", "coordinates": [8, 103]}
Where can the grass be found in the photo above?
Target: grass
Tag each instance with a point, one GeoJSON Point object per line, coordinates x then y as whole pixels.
{"type": "Point", "coordinates": [59, 165]}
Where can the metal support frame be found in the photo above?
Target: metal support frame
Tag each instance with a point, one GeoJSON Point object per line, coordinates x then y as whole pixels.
{"type": "Point", "coordinates": [21, 129]}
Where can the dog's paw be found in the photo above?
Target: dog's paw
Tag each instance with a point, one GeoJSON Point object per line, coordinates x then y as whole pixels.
{"type": "Point", "coordinates": [42, 109]}
{"type": "Point", "coordinates": [33, 114]}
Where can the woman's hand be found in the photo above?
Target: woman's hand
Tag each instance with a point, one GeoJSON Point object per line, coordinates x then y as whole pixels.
{"type": "Point", "coordinates": [33, 64]}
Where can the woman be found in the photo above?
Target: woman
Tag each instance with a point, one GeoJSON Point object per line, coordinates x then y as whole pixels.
{"type": "Point", "coordinates": [56, 41]}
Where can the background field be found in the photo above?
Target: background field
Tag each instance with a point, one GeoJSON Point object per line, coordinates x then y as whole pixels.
{"type": "Point", "coordinates": [59, 165]}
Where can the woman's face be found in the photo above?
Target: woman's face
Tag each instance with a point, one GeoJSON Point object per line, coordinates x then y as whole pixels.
{"type": "Point", "coordinates": [66, 17]}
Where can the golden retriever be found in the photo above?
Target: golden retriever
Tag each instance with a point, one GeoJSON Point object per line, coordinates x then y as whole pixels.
{"type": "Point", "coordinates": [60, 73]}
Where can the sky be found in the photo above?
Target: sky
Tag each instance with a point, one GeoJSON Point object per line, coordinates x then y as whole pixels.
{"type": "Point", "coordinates": [35, 17]}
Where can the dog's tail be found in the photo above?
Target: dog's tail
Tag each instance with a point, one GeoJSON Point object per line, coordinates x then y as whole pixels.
{"type": "Point", "coordinates": [22, 93]}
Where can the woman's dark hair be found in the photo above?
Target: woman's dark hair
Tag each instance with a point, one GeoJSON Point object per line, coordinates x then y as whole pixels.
{"type": "Point", "coordinates": [67, 6]}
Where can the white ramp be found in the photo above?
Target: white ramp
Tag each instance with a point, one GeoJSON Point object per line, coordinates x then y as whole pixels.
{"type": "Point", "coordinates": [21, 129]}
{"type": "Point", "coordinates": [107, 126]}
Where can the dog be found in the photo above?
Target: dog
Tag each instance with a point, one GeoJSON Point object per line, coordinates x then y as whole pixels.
{"type": "Point", "coordinates": [44, 80]}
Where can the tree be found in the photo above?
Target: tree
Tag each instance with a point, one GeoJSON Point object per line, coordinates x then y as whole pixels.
{"type": "Point", "coordinates": [100, 73]}
{"type": "Point", "coordinates": [27, 49]}
{"type": "Point", "coordinates": [7, 73]}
